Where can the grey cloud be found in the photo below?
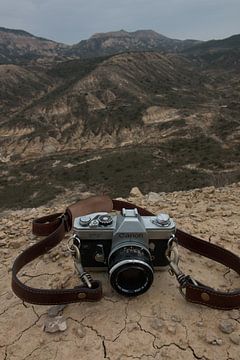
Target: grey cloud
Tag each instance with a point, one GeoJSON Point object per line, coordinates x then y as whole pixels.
{"type": "Point", "coordinates": [73, 20]}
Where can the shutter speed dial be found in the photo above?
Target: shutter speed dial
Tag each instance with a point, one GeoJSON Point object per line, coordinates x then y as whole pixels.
{"type": "Point", "coordinates": [105, 220]}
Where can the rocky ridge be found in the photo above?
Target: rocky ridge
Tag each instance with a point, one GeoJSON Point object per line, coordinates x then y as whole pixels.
{"type": "Point", "coordinates": [18, 46]}
{"type": "Point", "coordinates": [157, 325]}
{"type": "Point", "coordinates": [114, 42]}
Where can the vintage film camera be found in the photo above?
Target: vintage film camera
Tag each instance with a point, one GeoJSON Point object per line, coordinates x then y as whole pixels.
{"type": "Point", "coordinates": [128, 245]}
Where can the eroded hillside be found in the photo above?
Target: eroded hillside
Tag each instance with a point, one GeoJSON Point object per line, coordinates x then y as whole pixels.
{"type": "Point", "coordinates": [168, 120]}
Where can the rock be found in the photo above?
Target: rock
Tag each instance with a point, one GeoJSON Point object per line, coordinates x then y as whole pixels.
{"type": "Point", "coordinates": [153, 198]}
{"type": "Point", "coordinates": [3, 243]}
{"type": "Point", "coordinates": [212, 338]}
{"type": "Point", "coordinates": [227, 213]}
{"type": "Point", "coordinates": [55, 310]}
{"type": "Point", "coordinates": [52, 325]}
{"type": "Point", "coordinates": [157, 324]}
{"type": "Point", "coordinates": [227, 326]}
{"type": "Point", "coordinates": [219, 342]}
{"type": "Point", "coordinates": [210, 208]}
{"type": "Point", "coordinates": [80, 331]}
{"type": "Point", "coordinates": [171, 329]}
{"type": "Point", "coordinates": [2, 234]}
{"type": "Point", "coordinates": [135, 192]}
{"type": "Point", "coordinates": [176, 318]}
{"type": "Point", "coordinates": [235, 338]}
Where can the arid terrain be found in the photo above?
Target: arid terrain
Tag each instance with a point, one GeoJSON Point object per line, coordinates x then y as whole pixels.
{"type": "Point", "coordinates": [134, 115]}
{"type": "Point", "coordinates": [157, 325]}
{"type": "Point", "coordinates": [164, 119]}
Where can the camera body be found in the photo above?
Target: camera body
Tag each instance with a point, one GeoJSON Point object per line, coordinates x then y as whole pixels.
{"type": "Point", "coordinates": [129, 245]}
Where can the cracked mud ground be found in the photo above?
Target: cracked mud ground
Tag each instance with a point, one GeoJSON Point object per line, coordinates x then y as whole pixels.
{"type": "Point", "coordinates": [157, 325]}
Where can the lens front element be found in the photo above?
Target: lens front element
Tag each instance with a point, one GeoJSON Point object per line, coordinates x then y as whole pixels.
{"type": "Point", "coordinates": [130, 270]}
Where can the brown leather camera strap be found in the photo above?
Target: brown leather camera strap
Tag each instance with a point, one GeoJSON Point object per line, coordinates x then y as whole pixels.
{"type": "Point", "coordinates": [54, 227]}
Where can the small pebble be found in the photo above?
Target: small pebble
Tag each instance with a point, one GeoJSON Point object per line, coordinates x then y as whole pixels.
{"type": "Point", "coordinates": [227, 326]}
{"type": "Point", "coordinates": [3, 243]}
{"type": "Point", "coordinates": [213, 339]}
{"type": "Point", "coordinates": [176, 318]}
{"type": "Point", "coordinates": [171, 329]}
{"type": "Point", "coordinates": [80, 331]}
{"type": "Point", "coordinates": [157, 324]}
{"type": "Point", "coordinates": [52, 325]}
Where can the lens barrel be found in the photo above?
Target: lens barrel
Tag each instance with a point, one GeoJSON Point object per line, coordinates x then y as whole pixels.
{"type": "Point", "coordinates": [130, 270]}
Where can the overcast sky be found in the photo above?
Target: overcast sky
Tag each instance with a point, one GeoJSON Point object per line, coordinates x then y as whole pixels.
{"type": "Point", "coordinates": [70, 21]}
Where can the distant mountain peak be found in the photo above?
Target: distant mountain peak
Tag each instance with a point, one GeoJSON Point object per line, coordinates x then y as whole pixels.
{"type": "Point", "coordinates": [17, 46]}
{"type": "Point", "coordinates": [16, 32]}
{"type": "Point", "coordinates": [124, 33]}
{"type": "Point", "coordinates": [119, 33]}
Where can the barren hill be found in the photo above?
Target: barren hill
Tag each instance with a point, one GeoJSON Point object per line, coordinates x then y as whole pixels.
{"type": "Point", "coordinates": [19, 86]}
{"type": "Point", "coordinates": [109, 43]}
{"type": "Point", "coordinates": [223, 53]}
{"type": "Point", "coordinates": [17, 46]}
{"type": "Point", "coordinates": [169, 120]}
{"type": "Point", "coordinates": [105, 98]}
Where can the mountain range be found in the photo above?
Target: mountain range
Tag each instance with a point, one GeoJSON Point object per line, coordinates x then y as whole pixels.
{"type": "Point", "coordinates": [18, 46]}
{"type": "Point", "coordinates": [117, 106]}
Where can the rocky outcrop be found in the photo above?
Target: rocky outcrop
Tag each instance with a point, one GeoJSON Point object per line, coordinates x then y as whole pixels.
{"type": "Point", "coordinates": [109, 43]}
{"type": "Point", "coordinates": [157, 325]}
{"type": "Point", "coordinates": [18, 46]}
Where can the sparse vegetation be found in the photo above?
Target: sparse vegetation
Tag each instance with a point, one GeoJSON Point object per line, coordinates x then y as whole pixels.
{"type": "Point", "coordinates": [158, 168]}
{"type": "Point", "coordinates": [196, 144]}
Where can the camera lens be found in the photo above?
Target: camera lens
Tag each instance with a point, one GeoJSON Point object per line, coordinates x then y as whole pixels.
{"type": "Point", "coordinates": [130, 270]}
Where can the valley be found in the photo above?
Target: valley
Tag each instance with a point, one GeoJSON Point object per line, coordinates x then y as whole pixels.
{"type": "Point", "coordinates": [161, 120]}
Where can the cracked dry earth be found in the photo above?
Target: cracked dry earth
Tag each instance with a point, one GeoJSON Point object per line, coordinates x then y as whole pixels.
{"type": "Point", "coordinates": [157, 325]}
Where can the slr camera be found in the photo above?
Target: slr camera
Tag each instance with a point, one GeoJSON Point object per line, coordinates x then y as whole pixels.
{"type": "Point", "coordinates": [128, 245]}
